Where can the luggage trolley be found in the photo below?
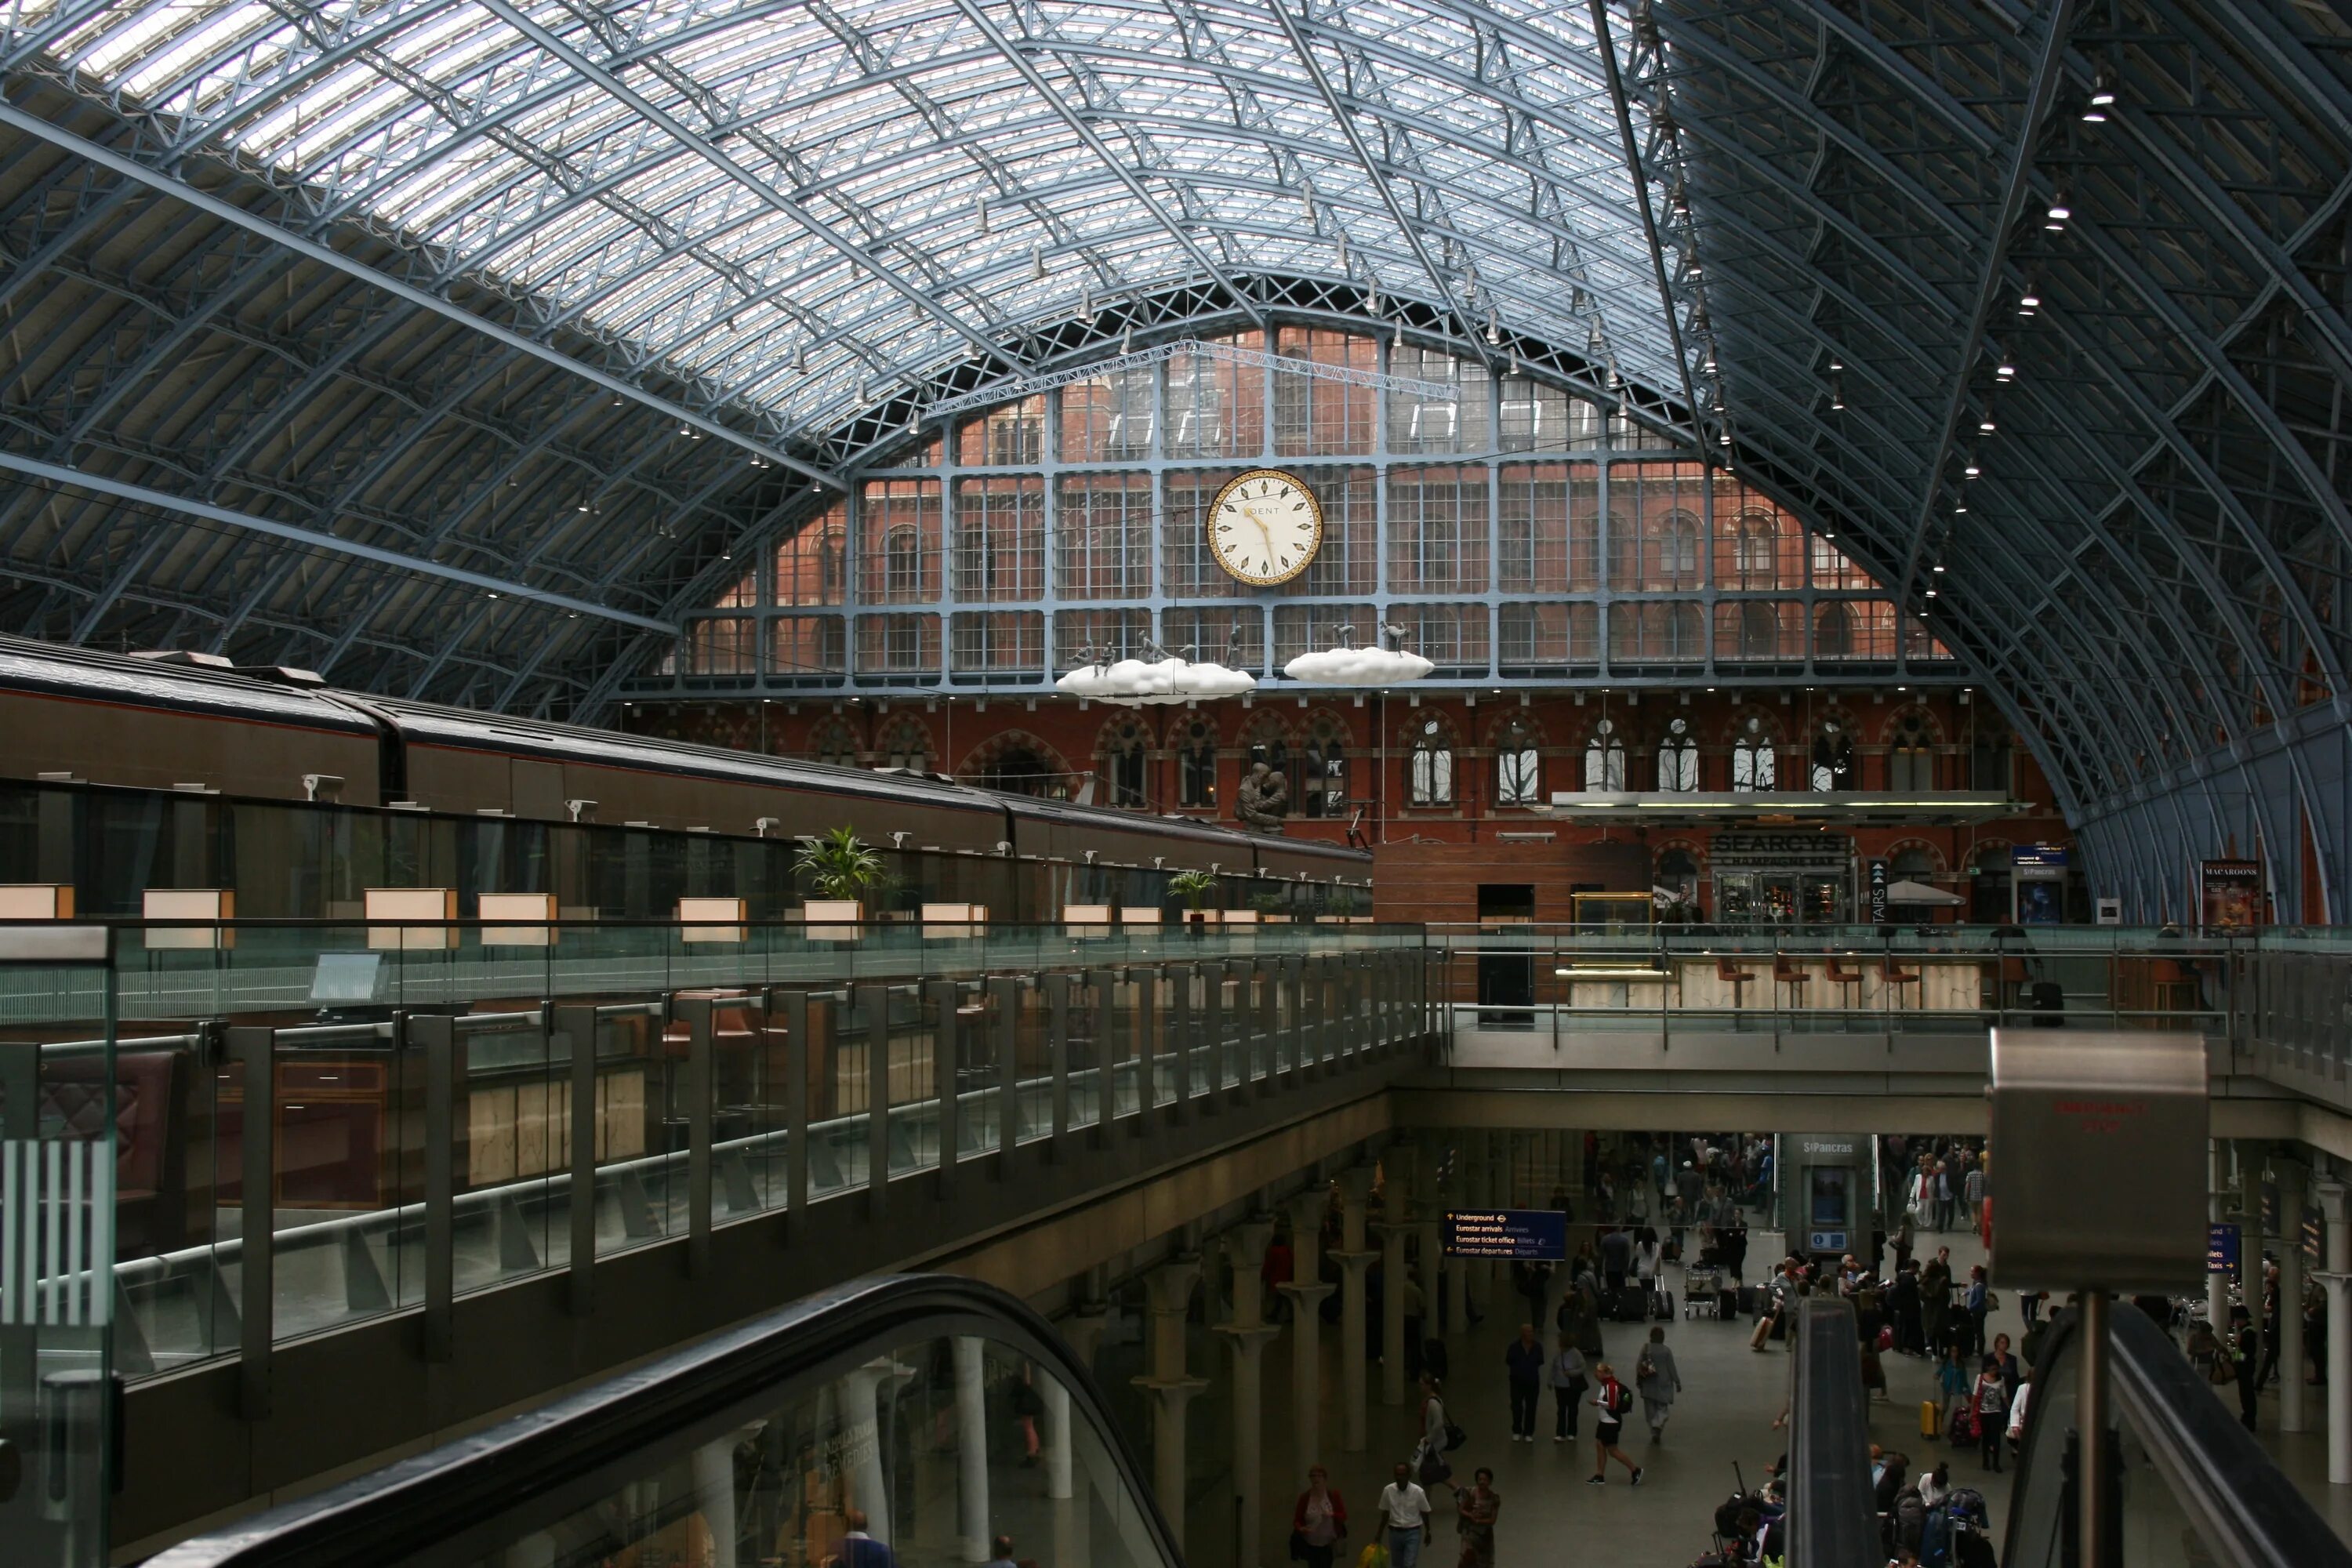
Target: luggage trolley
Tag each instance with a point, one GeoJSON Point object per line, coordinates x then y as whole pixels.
{"type": "Point", "coordinates": [1702, 1290]}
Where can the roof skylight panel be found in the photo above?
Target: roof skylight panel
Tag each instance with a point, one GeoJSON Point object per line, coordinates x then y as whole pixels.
{"type": "Point", "coordinates": [113, 40]}
{"type": "Point", "coordinates": [166, 71]}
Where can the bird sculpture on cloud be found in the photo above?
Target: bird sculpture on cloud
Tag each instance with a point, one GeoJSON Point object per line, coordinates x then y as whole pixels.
{"type": "Point", "coordinates": [1348, 665]}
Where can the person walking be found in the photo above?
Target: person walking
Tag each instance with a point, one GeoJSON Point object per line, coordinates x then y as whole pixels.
{"type": "Point", "coordinates": [1523, 1362]}
{"type": "Point", "coordinates": [1978, 1301]}
{"type": "Point", "coordinates": [1000, 1554]}
{"type": "Point", "coordinates": [1936, 1301]}
{"type": "Point", "coordinates": [1952, 1386]}
{"type": "Point", "coordinates": [1613, 1401]}
{"type": "Point", "coordinates": [856, 1549]}
{"type": "Point", "coordinates": [1565, 1374]}
{"type": "Point", "coordinates": [1616, 1259]}
{"type": "Point", "coordinates": [1533, 1278]}
{"type": "Point", "coordinates": [1655, 1375]}
{"type": "Point", "coordinates": [1404, 1518]}
{"type": "Point", "coordinates": [1319, 1520]}
{"type": "Point", "coordinates": [2247, 1352]}
{"type": "Point", "coordinates": [1475, 1507]}
{"type": "Point", "coordinates": [1432, 1423]}
{"type": "Point", "coordinates": [1990, 1398]}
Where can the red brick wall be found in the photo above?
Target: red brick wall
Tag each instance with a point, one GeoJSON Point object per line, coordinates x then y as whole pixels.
{"type": "Point", "coordinates": [1561, 726]}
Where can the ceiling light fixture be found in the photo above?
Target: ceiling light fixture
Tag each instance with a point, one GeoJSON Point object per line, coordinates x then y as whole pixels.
{"type": "Point", "coordinates": [1037, 264]}
{"type": "Point", "coordinates": [2055, 218]}
{"type": "Point", "coordinates": [1985, 425]}
{"type": "Point", "coordinates": [1837, 393]}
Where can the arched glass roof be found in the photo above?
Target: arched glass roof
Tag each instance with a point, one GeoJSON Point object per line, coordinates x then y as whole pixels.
{"type": "Point", "coordinates": [797, 205]}
{"type": "Point", "coordinates": [459, 347]}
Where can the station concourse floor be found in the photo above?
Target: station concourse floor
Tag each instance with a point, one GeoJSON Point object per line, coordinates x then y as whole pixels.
{"type": "Point", "coordinates": [1550, 1517]}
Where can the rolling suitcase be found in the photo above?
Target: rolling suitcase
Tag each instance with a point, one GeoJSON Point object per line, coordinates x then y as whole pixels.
{"type": "Point", "coordinates": [1727, 1304]}
{"type": "Point", "coordinates": [1630, 1307]}
{"type": "Point", "coordinates": [1751, 1300]}
{"type": "Point", "coordinates": [1662, 1304]}
{"type": "Point", "coordinates": [1928, 1414]}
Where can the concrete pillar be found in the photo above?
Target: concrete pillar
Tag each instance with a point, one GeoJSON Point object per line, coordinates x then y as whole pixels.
{"type": "Point", "coordinates": [1168, 1291]}
{"type": "Point", "coordinates": [1396, 1170]}
{"type": "Point", "coordinates": [1082, 1333]}
{"type": "Point", "coordinates": [1354, 1258]}
{"type": "Point", "coordinates": [861, 1436]}
{"type": "Point", "coordinates": [1247, 1331]}
{"type": "Point", "coordinates": [2216, 1189]}
{"type": "Point", "coordinates": [2294, 1178]}
{"type": "Point", "coordinates": [2336, 1207]}
{"type": "Point", "coordinates": [1307, 1291]}
{"type": "Point", "coordinates": [972, 1447]}
{"type": "Point", "coordinates": [714, 1490]}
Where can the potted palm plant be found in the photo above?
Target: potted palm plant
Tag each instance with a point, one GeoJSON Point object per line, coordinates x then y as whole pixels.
{"type": "Point", "coordinates": [1194, 888]}
{"type": "Point", "coordinates": [841, 870]}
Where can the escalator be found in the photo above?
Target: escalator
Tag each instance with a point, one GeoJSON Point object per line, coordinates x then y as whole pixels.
{"type": "Point", "coordinates": [2192, 1487]}
{"type": "Point", "coordinates": [935, 1412]}
{"type": "Point", "coordinates": [1832, 1518]}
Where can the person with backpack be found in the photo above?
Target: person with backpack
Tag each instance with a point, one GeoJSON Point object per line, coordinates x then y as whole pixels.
{"type": "Point", "coordinates": [1613, 1401]}
{"type": "Point", "coordinates": [1989, 1400]}
{"type": "Point", "coordinates": [1565, 1374]}
{"type": "Point", "coordinates": [1658, 1381]}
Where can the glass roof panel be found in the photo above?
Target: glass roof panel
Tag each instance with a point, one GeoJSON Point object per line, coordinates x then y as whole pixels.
{"type": "Point", "coordinates": [877, 171]}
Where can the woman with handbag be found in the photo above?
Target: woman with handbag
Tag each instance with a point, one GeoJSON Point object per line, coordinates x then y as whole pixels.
{"type": "Point", "coordinates": [1318, 1521]}
{"type": "Point", "coordinates": [1565, 1374]}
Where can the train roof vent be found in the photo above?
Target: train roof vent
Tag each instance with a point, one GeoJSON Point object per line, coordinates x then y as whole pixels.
{"type": "Point", "coordinates": [281, 675]}
{"type": "Point", "coordinates": [186, 656]}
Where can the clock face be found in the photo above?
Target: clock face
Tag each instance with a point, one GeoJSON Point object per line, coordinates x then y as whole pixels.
{"type": "Point", "coordinates": [1265, 527]}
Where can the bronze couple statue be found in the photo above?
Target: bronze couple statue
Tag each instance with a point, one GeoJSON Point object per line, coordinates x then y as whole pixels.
{"type": "Point", "coordinates": [1264, 799]}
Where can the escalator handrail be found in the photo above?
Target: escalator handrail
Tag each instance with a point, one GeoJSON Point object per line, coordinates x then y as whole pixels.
{"type": "Point", "coordinates": [1832, 1506]}
{"type": "Point", "coordinates": [2242, 1502]}
{"type": "Point", "coordinates": [579, 1447]}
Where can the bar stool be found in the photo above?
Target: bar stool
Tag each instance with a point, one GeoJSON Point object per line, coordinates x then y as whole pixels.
{"type": "Point", "coordinates": [1850, 977]}
{"type": "Point", "coordinates": [1892, 975]}
{"type": "Point", "coordinates": [1788, 975]}
{"type": "Point", "coordinates": [1736, 977]}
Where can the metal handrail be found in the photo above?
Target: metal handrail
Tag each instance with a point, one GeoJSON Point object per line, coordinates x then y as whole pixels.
{"type": "Point", "coordinates": [530, 1471]}
{"type": "Point", "coordinates": [1832, 1519]}
{"type": "Point", "coordinates": [2244, 1508]}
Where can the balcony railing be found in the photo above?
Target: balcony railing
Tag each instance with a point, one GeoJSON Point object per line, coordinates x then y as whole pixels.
{"type": "Point", "coordinates": [317, 1125]}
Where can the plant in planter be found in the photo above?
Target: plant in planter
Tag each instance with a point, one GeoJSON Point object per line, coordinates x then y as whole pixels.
{"type": "Point", "coordinates": [1272, 907]}
{"type": "Point", "coordinates": [1193, 888]}
{"type": "Point", "coordinates": [841, 870]}
{"type": "Point", "coordinates": [1339, 905]}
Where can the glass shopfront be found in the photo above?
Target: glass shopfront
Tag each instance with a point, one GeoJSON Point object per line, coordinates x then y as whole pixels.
{"type": "Point", "coordinates": [1782, 879]}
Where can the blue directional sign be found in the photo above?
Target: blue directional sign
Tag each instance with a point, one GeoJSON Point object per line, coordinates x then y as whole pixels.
{"type": "Point", "coordinates": [1505, 1233]}
{"type": "Point", "coordinates": [2222, 1249]}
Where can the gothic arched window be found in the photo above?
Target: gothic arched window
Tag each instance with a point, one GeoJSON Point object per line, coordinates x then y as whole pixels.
{"type": "Point", "coordinates": [1430, 770]}
{"type": "Point", "coordinates": [1604, 759]}
{"type": "Point", "coordinates": [1754, 764]}
{"type": "Point", "coordinates": [1518, 767]}
{"type": "Point", "coordinates": [1910, 756]}
{"type": "Point", "coordinates": [907, 745]}
{"type": "Point", "coordinates": [1196, 765]}
{"type": "Point", "coordinates": [1126, 756]}
{"type": "Point", "coordinates": [1323, 767]}
{"type": "Point", "coordinates": [1833, 766]}
{"type": "Point", "coordinates": [1677, 759]}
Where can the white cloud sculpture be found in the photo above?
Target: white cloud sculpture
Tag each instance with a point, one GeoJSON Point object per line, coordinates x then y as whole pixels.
{"type": "Point", "coordinates": [1358, 667]}
{"type": "Point", "coordinates": [1132, 682]}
